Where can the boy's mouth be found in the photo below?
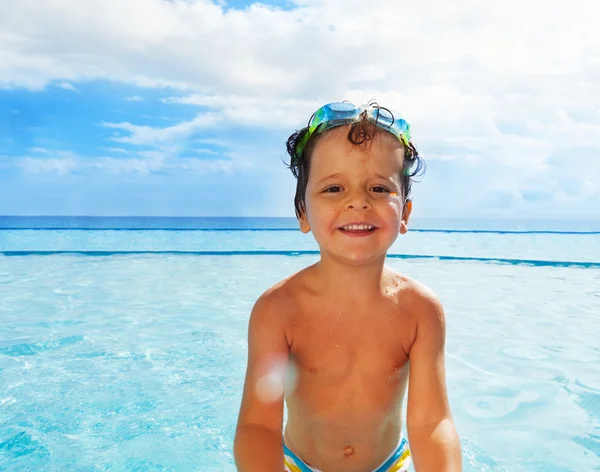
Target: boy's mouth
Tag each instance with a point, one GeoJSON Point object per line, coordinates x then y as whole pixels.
{"type": "Point", "coordinates": [357, 229]}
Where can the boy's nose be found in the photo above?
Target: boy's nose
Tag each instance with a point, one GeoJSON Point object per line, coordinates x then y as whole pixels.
{"type": "Point", "coordinates": [358, 201]}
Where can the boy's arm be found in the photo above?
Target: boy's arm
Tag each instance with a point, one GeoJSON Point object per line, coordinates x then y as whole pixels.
{"type": "Point", "coordinates": [432, 436]}
{"type": "Point", "coordinates": [258, 440]}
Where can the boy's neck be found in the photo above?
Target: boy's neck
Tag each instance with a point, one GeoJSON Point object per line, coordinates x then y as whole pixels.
{"type": "Point", "coordinates": [353, 282]}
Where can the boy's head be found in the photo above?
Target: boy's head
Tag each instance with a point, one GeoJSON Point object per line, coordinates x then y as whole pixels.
{"type": "Point", "coordinates": [354, 167]}
{"type": "Point", "coordinates": [364, 124]}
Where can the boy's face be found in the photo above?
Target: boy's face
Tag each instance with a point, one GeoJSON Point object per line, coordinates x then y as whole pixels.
{"type": "Point", "coordinates": [353, 196]}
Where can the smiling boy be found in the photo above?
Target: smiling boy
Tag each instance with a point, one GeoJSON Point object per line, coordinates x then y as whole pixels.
{"type": "Point", "coordinates": [341, 340]}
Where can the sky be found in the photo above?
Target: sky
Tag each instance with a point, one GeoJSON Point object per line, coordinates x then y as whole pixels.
{"type": "Point", "coordinates": [183, 107]}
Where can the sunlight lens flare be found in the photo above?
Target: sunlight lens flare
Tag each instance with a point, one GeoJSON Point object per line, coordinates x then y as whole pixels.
{"type": "Point", "coordinates": [279, 379]}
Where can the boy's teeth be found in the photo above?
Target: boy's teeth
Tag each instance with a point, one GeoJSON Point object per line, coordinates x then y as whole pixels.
{"type": "Point", "coordinates": [357, 227]}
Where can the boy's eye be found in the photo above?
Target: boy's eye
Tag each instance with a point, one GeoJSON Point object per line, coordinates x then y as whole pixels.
{"type": "Point", "coordinates": [333, 189]}
{"type": "Point", "coordinates": [380, 189]}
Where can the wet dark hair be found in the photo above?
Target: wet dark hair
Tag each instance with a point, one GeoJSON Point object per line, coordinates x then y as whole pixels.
{"type": "Point", "coordinates": [361, 132]}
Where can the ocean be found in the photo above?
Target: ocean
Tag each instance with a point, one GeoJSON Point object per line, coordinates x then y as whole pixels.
{"type": "Point", "coordinates": [123, 340]}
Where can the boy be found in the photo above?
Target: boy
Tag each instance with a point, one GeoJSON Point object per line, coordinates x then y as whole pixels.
{"type": "Point", "coordinates": [335, 339]}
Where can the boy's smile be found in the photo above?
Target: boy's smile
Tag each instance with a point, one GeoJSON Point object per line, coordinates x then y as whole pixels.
{"type": "Point", "coordinates": [358, 229]}
{"type": "Point", "coordinates": [354, 196]}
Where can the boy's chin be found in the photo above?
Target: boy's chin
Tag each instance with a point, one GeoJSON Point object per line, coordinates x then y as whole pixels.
{"type": "Point", "coordinates": [357, 258]}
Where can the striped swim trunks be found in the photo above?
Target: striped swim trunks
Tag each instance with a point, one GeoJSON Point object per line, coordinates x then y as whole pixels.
{"type": "Point", "coordinates": [398, 461]}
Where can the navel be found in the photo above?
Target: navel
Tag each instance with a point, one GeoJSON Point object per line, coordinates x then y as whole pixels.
{"type": "Point", "coordinates": [348, 451]}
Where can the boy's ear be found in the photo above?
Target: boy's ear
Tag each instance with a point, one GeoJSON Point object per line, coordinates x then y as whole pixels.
{"type": "Point", "coordinates": [304, 226]}
{"type": "Point", "coordinates": [405, 216]}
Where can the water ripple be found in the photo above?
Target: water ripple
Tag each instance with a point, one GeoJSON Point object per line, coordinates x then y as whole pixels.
{"type": "Point", "coordinates": [31, 349]}
{"type": "Point", "coordinates": [22, 444]}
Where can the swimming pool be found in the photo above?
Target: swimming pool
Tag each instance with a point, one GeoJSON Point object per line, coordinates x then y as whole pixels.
{"type": "Point", "coordinates": [120, 360]}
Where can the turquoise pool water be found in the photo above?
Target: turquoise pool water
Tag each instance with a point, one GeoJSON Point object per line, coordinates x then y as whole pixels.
{"type": "Point", "coordinates": [125, 350]}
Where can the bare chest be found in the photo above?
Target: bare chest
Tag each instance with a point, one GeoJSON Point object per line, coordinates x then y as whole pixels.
{"type": "Point", "coordinates": [361, 354]}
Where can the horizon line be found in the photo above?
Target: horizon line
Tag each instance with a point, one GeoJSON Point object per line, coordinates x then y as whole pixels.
{"type": "Point", "coordinates": [249, 229]}
{"type": "Point", "coordinates": [475, 217]}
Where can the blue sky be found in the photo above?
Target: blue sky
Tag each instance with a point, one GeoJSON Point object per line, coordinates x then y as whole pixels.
{"type": "Point", "coordinates": [156, 107]}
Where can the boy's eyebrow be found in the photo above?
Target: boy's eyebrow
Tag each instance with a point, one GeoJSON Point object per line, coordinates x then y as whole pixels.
{"type": "Point", "coordinates": [332, 176]}
{"type": "Point", "coordinates": [389, 179]}
{"type": "Point", "coordinates": [382, 176]}
{"type": "Point", "coordinates": [336, 175]}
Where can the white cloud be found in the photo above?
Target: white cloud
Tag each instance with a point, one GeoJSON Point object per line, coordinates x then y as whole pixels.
{"type": "Point", "coordinates": [202, 166]}
{"type": "Point", "coordinates": [142, 162]}
{"type": "Point", "coordinates": [39, 150]}
{"type": "Point", "coordinates": [506, 84]}
{"type": "Point", "coordinates": [66, 86]}
{"type": "Point", "coordinates": [114, 150]}
{"type": "Point", "coordinates": [213, 142]}
{"type": "Point", "coordinates": [145, 135]}
{"type": "Point", "coordinates": [136, 165]}
{"type": "Point", "coordinates": [64, 163]}
{"type": "Point", "coordinates": [253, 110]}
{"type": "Point", "coordinates": [205, 151]}
{"type": "Point", "coordinates": [134, 98]}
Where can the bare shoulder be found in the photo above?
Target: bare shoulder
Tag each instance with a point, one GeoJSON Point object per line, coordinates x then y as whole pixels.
{"type": "Point", "coordinates": [424, 299]}
{"type": "Point", "coordinates": [277, 304]}
{"type": "Point", "coordinates": [412, 292]}
{"type": "Point", "coordinates": [421, 302]}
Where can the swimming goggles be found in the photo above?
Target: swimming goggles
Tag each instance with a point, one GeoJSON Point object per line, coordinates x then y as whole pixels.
{"type": "Point", "coordinates": [342, 113]}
